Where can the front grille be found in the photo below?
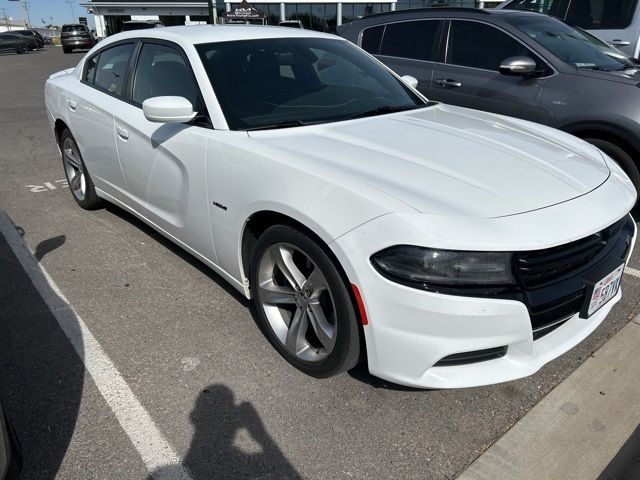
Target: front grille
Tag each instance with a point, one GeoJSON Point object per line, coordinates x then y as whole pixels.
{"type": "Point", "coordinates": [545, 266]}
{"type": "Point", "coordinates": [475, 356]}
{"type": "Point", "coordinates": [553, 281]}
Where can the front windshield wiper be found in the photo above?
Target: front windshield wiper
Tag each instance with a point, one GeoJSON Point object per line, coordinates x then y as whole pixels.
{"type": "Point", "coordinates": [596, 67]}
{"type": "Point", "coordinates": [383, 109]}
{"type": "Point", "coordinates": [273, 126]}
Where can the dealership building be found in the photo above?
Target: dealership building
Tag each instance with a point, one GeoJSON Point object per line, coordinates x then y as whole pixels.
{"type": "Point", "coordinates": [322, 15]}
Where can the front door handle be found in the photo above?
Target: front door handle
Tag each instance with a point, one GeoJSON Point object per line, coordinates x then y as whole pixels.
{"type": "Point", "coordinates": [447, 82]}
{"type": "Point", "coordinates": [620, 43]}
{"type": "Point", "coordinates": [72, 105]}
{"type": "Point", "coordinates": [122, 133]}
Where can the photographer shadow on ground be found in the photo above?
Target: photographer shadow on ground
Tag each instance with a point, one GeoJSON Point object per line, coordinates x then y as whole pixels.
{"type": "Point", "coordinates": [230, 442]}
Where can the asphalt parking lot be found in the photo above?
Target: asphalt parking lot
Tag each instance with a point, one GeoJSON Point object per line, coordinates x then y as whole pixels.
{"type": "Point", "coordinates": [189, 348]}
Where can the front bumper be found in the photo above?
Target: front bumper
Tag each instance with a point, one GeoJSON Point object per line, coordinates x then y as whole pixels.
{"type": "Point", "coordinates": [411, 330]}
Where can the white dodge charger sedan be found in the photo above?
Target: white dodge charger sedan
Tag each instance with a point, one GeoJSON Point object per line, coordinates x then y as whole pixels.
{"type": "Point", "coordinates": [445, 247]}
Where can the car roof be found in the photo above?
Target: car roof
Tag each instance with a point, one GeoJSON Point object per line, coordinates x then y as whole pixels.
{"type": "Point", "coordinates": [196, 34]}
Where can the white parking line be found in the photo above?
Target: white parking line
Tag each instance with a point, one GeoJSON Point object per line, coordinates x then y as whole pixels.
{"type": "Point", "coordinates": [632, 271]}
{"type": "Point", "coordinates": [157, 454]}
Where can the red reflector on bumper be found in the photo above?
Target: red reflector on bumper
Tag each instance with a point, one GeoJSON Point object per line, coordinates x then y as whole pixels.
{"type": "Point", "coordinates": [363, 313]}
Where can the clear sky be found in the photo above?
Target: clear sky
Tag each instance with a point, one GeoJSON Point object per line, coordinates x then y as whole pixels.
{"type": "Point", "coordinates": [40, 10]}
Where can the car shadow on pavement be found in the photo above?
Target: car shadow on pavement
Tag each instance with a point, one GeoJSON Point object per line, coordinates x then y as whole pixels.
{"type": "Point", "coordinates": [41, 374]}
{"type": "Point", "coordinates": [230, 442]}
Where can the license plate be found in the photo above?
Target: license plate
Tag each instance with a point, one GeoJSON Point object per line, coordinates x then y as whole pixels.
{"type": "Point", "coordinates": [605, 290]}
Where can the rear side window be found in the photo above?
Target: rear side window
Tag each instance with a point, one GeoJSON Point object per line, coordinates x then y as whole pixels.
{"type": "Point", "coordinates": [162, 71]}
{"type": "Point", "coordinates": [371, 39]}
{"type": "Point", "coordinates": [477, 45]}
{"type": "Point", "coordinates": [111, 68]}
{"type": "Point", "coordinates": [415, 40]}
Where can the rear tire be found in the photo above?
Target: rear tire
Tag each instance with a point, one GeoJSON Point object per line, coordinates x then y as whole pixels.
{"type": "Point", "coordinates": [302, 303]}
{"type": "Point", "coordinates": [78, 178]}
{"type": "Point", "coordinates": [23, 48]}
{"type": "Point", "coordinates": [66, 49]}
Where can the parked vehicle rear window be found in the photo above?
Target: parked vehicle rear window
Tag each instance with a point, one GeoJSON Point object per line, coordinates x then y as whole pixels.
{"type": "Point", "coordinates": [111, 68]}
{"type": "Point", "coordinates": [73, 28]}
{"type": "Point", "coordinates": [413, 40]}
{"type": "Point", "coordinates": [477, 45]}
{"type": "Point", "coordinates": [587, 14]}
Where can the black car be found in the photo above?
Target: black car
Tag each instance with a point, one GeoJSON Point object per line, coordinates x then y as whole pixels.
{"type": "Point", "coordinates": [32, 34]}
{"type": "Point", "coordinates": [76, 35]}
{"type": "Point", "coordinates": [12, 42]}
{"type": "Point", "coordinates": [517, 63]}
{"type": "Point", "coordinates": [10, 457]}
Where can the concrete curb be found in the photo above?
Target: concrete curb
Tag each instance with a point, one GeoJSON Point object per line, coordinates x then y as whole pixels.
{"type": "Point", "coordinates": [575, 431]}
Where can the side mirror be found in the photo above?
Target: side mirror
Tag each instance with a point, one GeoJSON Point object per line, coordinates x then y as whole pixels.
{"type": "Point", "coordinates": [517, 66]}
{"type": "Point", "coordinates": [411, 81]}
{"type": "Point", "coordinates": [168, 110]}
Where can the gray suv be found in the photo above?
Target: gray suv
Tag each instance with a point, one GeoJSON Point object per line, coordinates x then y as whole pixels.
{"type": "Point", "coordinates": [515, 63]}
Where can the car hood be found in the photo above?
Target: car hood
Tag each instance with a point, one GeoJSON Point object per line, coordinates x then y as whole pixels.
{"type": "Point", "coordinates": [447, 160]}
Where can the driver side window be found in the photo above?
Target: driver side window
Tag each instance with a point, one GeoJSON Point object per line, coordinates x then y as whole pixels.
{"type": "Point", "coordinates": [162, 71]}
{"type": "Point", "coordinates": [477, 45]}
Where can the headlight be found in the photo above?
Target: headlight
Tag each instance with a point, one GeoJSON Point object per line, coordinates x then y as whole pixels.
{"type": "Point", "coordinates": [426, 267]}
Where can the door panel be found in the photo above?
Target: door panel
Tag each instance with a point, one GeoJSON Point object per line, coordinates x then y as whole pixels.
{"type": "Point", "coordinates": [91, 123]}
{"type": "Point", "coordinates": [164, 168]}
{"type": "Point", "coordinates": [488, 91]}
{"type": "Point", "coordinates": [470, 77]}
{"type": "Point", "coordinates": [164, 163]}
{"type": "Point", "coordinates": [423, 71]}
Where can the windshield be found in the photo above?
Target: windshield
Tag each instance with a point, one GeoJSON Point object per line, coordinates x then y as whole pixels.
{"type": "Point", "coordinates": [572, 45]}
{"type": "Point", "coordinates": [283, 82]}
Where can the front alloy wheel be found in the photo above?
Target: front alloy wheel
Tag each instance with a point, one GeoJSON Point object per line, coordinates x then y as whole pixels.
{"type": "Point", "coordinates": [303, 303]}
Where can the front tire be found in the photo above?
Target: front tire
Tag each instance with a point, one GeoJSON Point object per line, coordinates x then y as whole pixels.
{"type": "Point", "coordinates": [66, 50]}
{"type": "Point", "coordinates": [78, 178]}
{"type": "Point", "coordinates": [303, 304]}
{"type": "Point", "coordinates": [23, 48]}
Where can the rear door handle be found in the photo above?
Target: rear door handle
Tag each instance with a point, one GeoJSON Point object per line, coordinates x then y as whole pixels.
{"type": "Point", "coordinates": [620, 43]}
{"type": "Point", "coordinates": [122, 133]}
{"type": "Point", "coordinates": [447, 82]}
{"type": "Point", "coordinates": [72, 105]}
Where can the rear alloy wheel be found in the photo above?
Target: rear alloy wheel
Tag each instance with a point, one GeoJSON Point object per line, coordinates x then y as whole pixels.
{"type": "Point", "coordinates": [80, 182]}
{"type": "Point", "coordinates": [303, 304]}
{"type": "Point", "coordinates": [22, 48]}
